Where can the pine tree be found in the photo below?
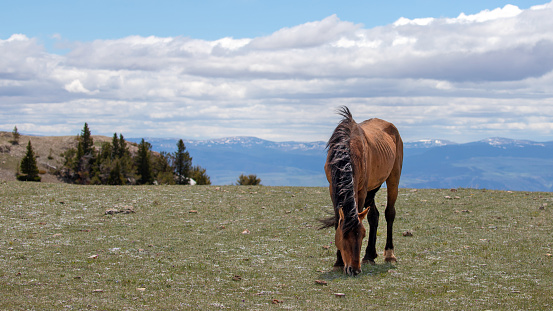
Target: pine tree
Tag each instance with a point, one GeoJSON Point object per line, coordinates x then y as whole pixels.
{"type": "Point", "coordinates": [115, 153]}
{"type": "Point", "coordinates": [115, 175]}
{"type": "Point", "coordinates": [250, 180]}
{"type": "Point", "coordinates": [16, 136]}
{"type": "Point", "coordinates": [78, 157]}
{"type": "Point", "coordinates": [162, 168]}
{"type": "Point", "coordinates": [28, 166]}
{"type": "Point", "coordinates": [122, 146]}
{"type": "Point", "coordinates": [143, 163]}
{"type": "Point", "coordinates": [199, 176]}
{"type": "Point", "coordinates": [86, 139]}
{"type": "Point", "coordinates": [183, 163]}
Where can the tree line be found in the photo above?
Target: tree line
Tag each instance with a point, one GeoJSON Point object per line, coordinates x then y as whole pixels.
{"type": "Point", "coordinates": [114, 164]}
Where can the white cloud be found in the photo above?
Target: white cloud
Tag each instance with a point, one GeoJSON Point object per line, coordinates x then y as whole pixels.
{"type": "Point", "coordinates": [76, 87]}
{"type": "Point", "coordinates": [487, 15]}
{"type": "Point", "coordinates": [470, 77]}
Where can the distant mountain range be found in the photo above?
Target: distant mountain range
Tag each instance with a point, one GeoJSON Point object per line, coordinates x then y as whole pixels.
{"type": "Point", "coordinates": [493, 163]}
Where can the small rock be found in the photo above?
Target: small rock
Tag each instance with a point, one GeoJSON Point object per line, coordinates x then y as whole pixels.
{"type": "Point", "coordinates": [236, 278]}
{"type": "Point", "coordinates": [407, 233]}
{"type": "Point", "coordinates": [246, 231]}
{"type": "Point", "coordinates": [321, 282]}
{"type": "Point", "coordinates": [98, 291]}
{"type": "Point", "coordinates": [340, 295]}
{"type": "Point", "coordinates": [193, 211]}
{"type": "Point", "coordinates": [276, 301]}
{"type": "Point", "coordinates": [93, 257]}
{"type": "Point", "coordinates": [141, 289]}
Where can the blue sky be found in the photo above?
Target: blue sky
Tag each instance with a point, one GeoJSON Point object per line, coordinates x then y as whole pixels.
{"type": "Point", "coordinates": [212, 19]}
{"type": "Point", "coordinates": [458, 70]}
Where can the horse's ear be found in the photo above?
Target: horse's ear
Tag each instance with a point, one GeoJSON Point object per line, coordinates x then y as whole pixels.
{"type": "Point", "coordinates": [363, 214]}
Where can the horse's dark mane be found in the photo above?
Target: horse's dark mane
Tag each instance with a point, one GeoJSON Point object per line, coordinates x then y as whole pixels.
{"type": "Point", "coordinates": [342, 170]}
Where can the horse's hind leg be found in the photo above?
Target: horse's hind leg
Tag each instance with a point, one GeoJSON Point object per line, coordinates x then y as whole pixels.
{"type": "Point", "coordinates": [372, 218]}
{"type": "Point", "coordinates": [390, 214]}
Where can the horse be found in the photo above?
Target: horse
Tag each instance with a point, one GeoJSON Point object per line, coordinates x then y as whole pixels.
{"type": "Point", "coordinates": [360, 158]}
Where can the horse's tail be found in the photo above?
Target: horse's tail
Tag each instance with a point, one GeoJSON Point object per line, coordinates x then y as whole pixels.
{"type": "Point", "coordinates": [342, 170]}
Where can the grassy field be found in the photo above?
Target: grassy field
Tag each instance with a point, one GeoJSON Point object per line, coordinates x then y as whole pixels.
{"type": "Point", "coordinates": [258, 248]}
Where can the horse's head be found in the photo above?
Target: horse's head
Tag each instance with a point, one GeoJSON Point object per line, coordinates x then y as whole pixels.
{"type": "Point", "coordinates": [350, 243]}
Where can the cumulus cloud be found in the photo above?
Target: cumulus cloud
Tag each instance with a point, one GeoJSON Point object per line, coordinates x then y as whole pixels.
{"type": "Point", "coordinates": [470, 77]}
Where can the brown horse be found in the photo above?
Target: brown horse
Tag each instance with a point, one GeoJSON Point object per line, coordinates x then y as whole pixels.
{"type": "Point", "coordinates": [360, 158]}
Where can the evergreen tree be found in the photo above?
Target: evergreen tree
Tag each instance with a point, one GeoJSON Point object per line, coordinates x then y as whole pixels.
{"type": "Point", "coordinates": [122, 146]}
{"type": "Point", "coordinates": [250, 180]}
{"type": "Point", "coordinates": [199, 176]}
{"type": "Point", "coordinates": [86, 140]}
{"type": "Point", "coordinates": [16, 136]}
{"type": "Point", "coordinates": [143, 163]}
{"type": "Point", "coordinates": [28, 166]}
{"type": "Point", "coordinates": [115, 175]}
{"type": "Point", "coordinates": [162, 168]}
{"type": "Point", "coordinates": [115, 153]}
{"type": "Point", "coordinates": [183, 163]}
{"type": "Point", "coordinates": [79, 157]}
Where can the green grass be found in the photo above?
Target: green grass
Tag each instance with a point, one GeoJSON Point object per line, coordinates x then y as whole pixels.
{"type": "Point", "coordinates": [477, 250]}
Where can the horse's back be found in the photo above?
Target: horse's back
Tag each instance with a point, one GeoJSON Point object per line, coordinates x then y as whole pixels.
{"type": "Point", "coordinates": [385, 150]}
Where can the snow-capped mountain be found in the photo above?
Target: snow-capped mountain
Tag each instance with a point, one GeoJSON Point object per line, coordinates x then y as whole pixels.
{"type": "Point", "coordinates": [428, 143]}
{"type": "Point", "coordinates": [504, 143]}
{"type": "Point", "coordinates": [170, 144]}
{"type": "Point", "coordinates": [493, 163]}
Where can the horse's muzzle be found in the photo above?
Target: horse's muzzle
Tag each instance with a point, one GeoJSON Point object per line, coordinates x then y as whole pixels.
{"type": "Point", "coordinates": [351, 271]}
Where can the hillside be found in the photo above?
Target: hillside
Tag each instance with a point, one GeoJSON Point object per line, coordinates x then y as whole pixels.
{"type": "Point", "coordinates": [48, 150]}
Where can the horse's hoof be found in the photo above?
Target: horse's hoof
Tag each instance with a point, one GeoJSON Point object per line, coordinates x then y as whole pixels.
{"type": "Point", "coordinates": [389, 256]}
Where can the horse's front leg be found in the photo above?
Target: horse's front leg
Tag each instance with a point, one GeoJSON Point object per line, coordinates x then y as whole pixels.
{"type": "Point", "coordinates": [339, 264]}
{"type": "Point", "coordinates": [372, 219]}
{"type": "Point", "coordinates": [370, 253]}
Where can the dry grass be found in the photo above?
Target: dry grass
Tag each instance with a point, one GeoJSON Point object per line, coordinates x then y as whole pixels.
{"type": "Point", "coordinates": [185, 248]}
